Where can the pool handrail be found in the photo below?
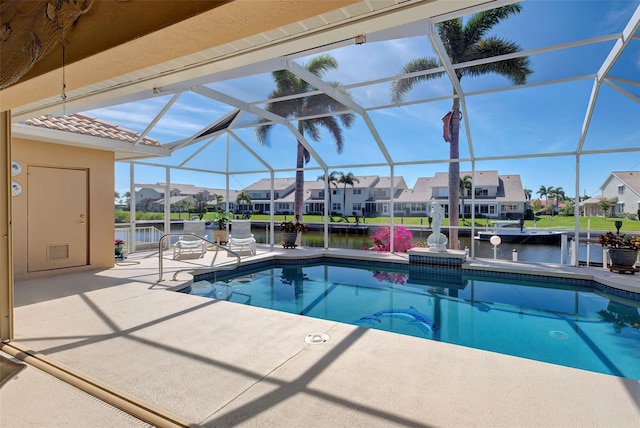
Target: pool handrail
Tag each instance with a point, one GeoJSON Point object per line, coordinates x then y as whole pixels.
{"type": "Point", "coordinates": [223, 267]}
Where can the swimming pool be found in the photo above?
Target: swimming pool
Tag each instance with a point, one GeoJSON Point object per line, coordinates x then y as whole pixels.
{"type": "Point", "coordinates": [565, 322]}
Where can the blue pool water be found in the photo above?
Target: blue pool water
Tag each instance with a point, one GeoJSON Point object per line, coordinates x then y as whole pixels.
{"type": "Point", "coordinates": [568, 322]}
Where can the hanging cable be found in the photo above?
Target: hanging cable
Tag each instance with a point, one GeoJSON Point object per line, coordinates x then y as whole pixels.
{"type": "Point", "coordinates": [63, 95]}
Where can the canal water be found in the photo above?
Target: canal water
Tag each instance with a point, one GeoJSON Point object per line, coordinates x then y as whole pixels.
{"type": "Point", "coordinates": [525, 253]}
{"type": "Point", "coordinates": [360, 240]}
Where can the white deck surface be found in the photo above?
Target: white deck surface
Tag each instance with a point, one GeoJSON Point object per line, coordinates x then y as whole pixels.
{"type": "Point", "coordinates": [216, 363]}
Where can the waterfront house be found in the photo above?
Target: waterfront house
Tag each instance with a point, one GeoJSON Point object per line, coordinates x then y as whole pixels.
{"type": "Point", "coordinates": [260, 193]}
{"type": "Point", "coordinates": [622, 190]}
{"type": "Point", "coordinates": [496, 196]}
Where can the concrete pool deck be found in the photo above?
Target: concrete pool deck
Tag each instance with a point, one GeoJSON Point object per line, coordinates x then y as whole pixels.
{"type": "Point", "coordinates": [192, 361]}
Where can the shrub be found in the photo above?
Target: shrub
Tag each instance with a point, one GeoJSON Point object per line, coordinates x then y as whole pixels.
{"type": "Point", "coordinates": [122, 216]}
{"type": "Point", "coordinates": [382, 239]}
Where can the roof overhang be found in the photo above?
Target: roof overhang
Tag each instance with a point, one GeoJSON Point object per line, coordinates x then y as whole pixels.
{"type": "Point", "coordinates": [194, 48]}
{"type": "Point", "coordinates": [121, 149]}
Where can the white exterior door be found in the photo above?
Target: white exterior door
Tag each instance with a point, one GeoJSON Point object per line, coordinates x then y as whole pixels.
{"type": "Point", "coordinates": [57, 238]}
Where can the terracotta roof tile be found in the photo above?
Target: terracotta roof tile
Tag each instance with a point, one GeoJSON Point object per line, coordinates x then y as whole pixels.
{"type": "Point", "coordinates": [80, 123]}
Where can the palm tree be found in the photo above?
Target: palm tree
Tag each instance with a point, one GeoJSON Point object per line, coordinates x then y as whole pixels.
{"type": "Point", "coordinates": [184, 206]}
{"type": "Point", "coordinates": [244, 198]}
{"type": "Point", "coordinates": [333, 180]}
{"type": "Point", "coordinates": [465, 43]}
{"type": "Point", "coordinates": [345, 179]}
{"type": "Point", "coordinates": [117, 196]}
{"type": "Point", "coordinates": [528, 193]}
{"type": "Point", "coordinates": [219, 199]}
{"type": "Point", "coordinates": [605, 206]}
{"type": "Point", "coordinates": [545, 192]}
{"type": "Point", "coordinates": [559, 196]}
{"type": "Point", "coordinates": [288, 83]}
{"type": "Point", "coordinates": [465, 183]}
{"type": "Point", "coordinates": [201, 203]}
{"type": "Point", "coordinates": [127, 197]}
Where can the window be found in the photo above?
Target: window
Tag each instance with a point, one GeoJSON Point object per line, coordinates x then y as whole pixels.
{"type": "Point", "coordinates": [321, 194]}
{"type": "Point", "coordinates": [379, 193]}
{"type": "Point", "coordinates": [482, 209]}
{"type": "Point", "coordinates": [357, 191]}
{"type": "Point", "coordinates": [336, 206]}
{"type": "Point", "coordinates": [385, 208]}
{"type": "Point", "coordinates": [255, 195]}
{"type": "Point", "coordinates": [621, 189]}
{"type": "Point", "coordinates": [335, 192]}
{"type": "Point", "coordinates": [482, 192]}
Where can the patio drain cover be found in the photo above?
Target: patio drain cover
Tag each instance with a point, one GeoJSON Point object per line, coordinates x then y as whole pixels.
{"type": "Point", "coordinates": [557, 334]}
{"type": "Point", "coordinates": [316, 338]}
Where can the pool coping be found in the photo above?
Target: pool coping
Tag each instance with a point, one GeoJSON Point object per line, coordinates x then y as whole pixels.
{"type": "Point", "coordinates": [119, 327]}
{"type": "Point", "coordinates": [618, 284]}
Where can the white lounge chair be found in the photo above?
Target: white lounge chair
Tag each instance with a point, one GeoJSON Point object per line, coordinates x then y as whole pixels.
{"type": "Point", "coordinates": [240, 238]}
{"type": "Point", "coordinates": [188, 244]}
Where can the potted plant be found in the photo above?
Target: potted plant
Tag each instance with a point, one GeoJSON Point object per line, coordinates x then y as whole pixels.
{"type": "Point", "coordinates": [290, 232]}
{"type": "Point", "coordinates": [622, 249]}
{"type": "Point", "coordinates": [221, 218]}
{"type": "Point", "coordinates": [119, 247]}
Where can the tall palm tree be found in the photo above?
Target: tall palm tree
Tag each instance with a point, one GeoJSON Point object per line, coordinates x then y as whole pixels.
{"type": "Point", "coordinates": [346, 179]}
{"type": "Point", "coordinates": [544, 192]}
{"type": "Point", "coordinates": [333, 180]}
{"type": "Point", "coordinates": [465, 183]}
{"type": "Point", "coordinates": [559, 195]}
{"type": "Point", "coordinates": [528, 193]}
{"type": "Point", "coordinates": [244, 198]}
{"type": "Point", "coordinates": [466, 42]}
{"type": "Point", "coordinates": [288, 83]}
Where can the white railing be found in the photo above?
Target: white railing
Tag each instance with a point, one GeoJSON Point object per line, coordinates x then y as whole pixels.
{"type": "Point", "coordinates": [146, 237]}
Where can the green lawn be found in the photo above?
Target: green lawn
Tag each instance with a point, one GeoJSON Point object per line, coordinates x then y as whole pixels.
{"type": "Point", "coordinates": [593, 223]}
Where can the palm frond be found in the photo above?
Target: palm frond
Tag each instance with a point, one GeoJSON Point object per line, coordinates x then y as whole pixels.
{"type": "Point", "coordinates": [481, 22]}
{"type": "Point", "coordinates": [311, 129]}
{"type": "Point", "coordinates": [451, 35]}
{"type": "Point", "coordinates": [333, 127]}
{"type": "Point", "coordinates": [399, 88]}
{"type": "Point", "coordinates": [321, 64]}
{"type": "Point", "coordinates": [347, 119]}
{"type": "Point", "coordinates": [262, 134]}
{"type": "Point", "coordinates": [517, 69]}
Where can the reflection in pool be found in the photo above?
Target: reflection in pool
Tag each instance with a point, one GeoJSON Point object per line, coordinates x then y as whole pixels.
{"type": "Point", "coordinates": [566, 322]}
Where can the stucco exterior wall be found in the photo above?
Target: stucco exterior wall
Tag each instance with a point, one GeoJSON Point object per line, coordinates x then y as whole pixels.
{"type": "Point", "coordinates": [100, 166]}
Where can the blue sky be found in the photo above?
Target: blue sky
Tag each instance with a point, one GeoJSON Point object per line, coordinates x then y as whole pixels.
{"type": "Point", "coordinates": [540, 119]}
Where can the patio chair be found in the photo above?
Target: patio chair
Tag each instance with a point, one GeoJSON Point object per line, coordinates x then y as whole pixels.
{"type": "Point", "coordinates": [188, 244]}
{"type": "Point", "coordinates": [240, 238]}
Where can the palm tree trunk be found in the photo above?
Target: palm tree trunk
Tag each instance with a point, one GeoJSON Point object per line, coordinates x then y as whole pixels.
{"type": "Point", "coordinates": [454, 175]}
{"type": "Point", "coordinates": [344, 200]}
{"type": "Point", "coordinates": [299, 192]}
